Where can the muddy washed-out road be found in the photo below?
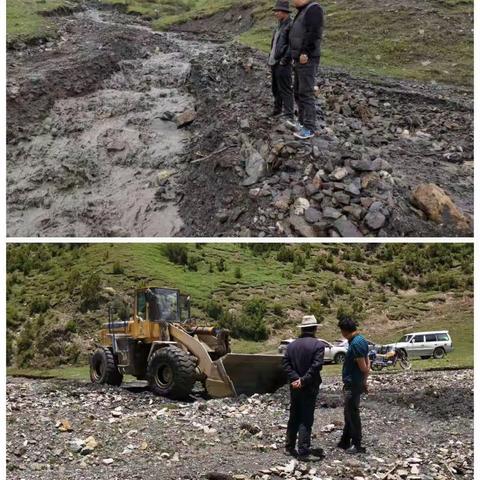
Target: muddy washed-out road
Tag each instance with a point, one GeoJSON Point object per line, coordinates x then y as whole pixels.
{"type": "Point", "coordinates": [92, 164]}
{"type": "Point", "coordinates": [116, 130]}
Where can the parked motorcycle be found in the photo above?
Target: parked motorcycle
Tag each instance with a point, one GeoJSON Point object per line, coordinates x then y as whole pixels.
{"type": "Point", "coordinates": [389, 359]}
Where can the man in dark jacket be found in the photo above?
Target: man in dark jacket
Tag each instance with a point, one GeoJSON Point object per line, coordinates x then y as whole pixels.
{"type": "Point", "coordinates": [280, 62]}
{"type": "Point", "coordinates": [303, 361]}
{"type": "Point", "coordinates": [356, 368]}
{"type": "Point", "coordinates": [305, 40]}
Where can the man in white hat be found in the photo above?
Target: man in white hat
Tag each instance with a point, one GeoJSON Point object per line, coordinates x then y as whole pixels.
{"type": "Point", "coordinates": [303, 361]}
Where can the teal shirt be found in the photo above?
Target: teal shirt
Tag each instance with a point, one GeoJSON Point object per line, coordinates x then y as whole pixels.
{"type": "Point", "coordinates": [351, 373]}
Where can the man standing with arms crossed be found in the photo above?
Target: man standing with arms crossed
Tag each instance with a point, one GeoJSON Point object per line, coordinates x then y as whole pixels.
{"type": "Point", "coordinates": [305, 40]}
{"type": "Point", "coordinates": [303, 361]}
{"type": "Point", "coordinates": [355, 374]}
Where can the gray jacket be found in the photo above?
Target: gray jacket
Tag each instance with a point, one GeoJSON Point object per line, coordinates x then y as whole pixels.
{"type": "Point", "coordinates": [282, 49]}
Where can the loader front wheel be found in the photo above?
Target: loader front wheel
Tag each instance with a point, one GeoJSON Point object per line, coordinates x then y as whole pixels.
{"type": "Point", "coordinates": [171, 373]}
{"type": "Point", "coordinates": [103, 368]}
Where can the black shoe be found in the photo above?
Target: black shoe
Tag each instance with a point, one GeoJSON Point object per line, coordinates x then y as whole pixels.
{"type": "Point", "coordinates": [308, 458]}
{"type": "Point", "coordinates": [291, 452]}
{"type": "Point", "coordinates": [276, 113]}
{"type": "Point", "coordinates": [317, 452]}
{"type": "Point", "coordinates": [344, 445]}
{"type": "Point", "coordinates": [356, 449]}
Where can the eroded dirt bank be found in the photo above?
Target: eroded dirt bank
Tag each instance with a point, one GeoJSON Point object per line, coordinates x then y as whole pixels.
{"type": "Point", "coordinates": [417, 426]}
{"type": "Point", "coordinates": [94, 147]}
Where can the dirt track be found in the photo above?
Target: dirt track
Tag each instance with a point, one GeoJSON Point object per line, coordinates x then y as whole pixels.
{"type": "Point", "coordinates": [413, 422]}
{"type": "Point", "coordinates": [94, 149]}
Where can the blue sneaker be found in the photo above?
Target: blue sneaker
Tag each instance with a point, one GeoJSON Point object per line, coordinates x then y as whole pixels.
{"type": "Point", "coordinates": [304, 134]}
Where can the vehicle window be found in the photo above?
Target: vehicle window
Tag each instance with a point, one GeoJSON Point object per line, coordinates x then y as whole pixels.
{"type": "Point", "coordinates": [430, 338]}
{"type": "Point", "coordinates": [141, 305]}
{"type": "Point", "coordinates": [443, 337]}
{"type": "Point", "coordinates": [405, 338]}
{"type": "Point", "coordinates": [419, 339]}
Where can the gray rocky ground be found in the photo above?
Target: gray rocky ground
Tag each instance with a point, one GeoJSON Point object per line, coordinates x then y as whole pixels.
{"type": "Point", "coordinates": [115, 130]}
{"type": "Point", "coordinates": [418, 426]}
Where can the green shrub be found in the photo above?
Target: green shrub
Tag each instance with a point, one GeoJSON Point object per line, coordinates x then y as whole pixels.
{"type": "Point", "coordinates": [90, 291]}
{"type": "Point", "coordinates": [214, 310]}
{"type": "Point", "coordinates": [176, 252]}
{"type": "Point", "coordinates": [71, 326]}
{"type": "Point", "coordinates": [393, 275]}
{"type": "Point", "coordinates": [15, 317]}
{"type": "Point", "coordinates": [118, 269]}
{"type": "Point", "coordinates": [250, 325]}
{"type": "Point", "coordinates": [221, 266]}
{"type": "Point", "coordinates": [311, 283]}
{"type": "Point", "coordinates": [340, 288]}
{"type": "Point", "coordinates": [39, 305]}
{"type": "Point", "coordinates": [277, 310]}
{"type": "Point", "coordinates": [286, 254]}
{"type": "Point", "coordinates": [192, 263]}
{"type": "Point", "coordinates": [316, 309]}
{"type": "Point", "coordinates": [73, 280]}
{"type": "Point", "coordinates": [238, 273]}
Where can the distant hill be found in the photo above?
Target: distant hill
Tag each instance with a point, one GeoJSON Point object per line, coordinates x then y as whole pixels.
{"type": "Point", "coordinates": [58, 295]}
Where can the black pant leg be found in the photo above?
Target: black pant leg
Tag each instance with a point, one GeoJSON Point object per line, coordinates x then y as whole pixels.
{"type": "Point", "coordinates": [276, 91]}
{"type": "Point", "coordinates": [293, 420]}
{"type": "Point", "coordinates": [353, 425]}
{"type": "Point", "coordinates": [284, 83]}
{"type": "Point", "coordinates": [309, 400]}
{"type": "Point", "coordinates": [296, 95]}
{"type": "Point", "coordinates": [306, 92]}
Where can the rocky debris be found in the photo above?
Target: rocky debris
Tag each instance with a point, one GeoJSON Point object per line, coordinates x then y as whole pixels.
{"type": "Point", "coordinates": [239, 438]}
{"type": "Point", "coordinates": [376, 141]}
{"type": "Point", "coordinates": [439, 207]}
{"type": "Point", "coordinates": [115, 103]}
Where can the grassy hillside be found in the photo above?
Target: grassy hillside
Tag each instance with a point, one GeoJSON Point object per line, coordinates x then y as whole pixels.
{"type": "Point", "coordinates": [58, 295]}
{"type": "Point", "coordinates": [428, 40]}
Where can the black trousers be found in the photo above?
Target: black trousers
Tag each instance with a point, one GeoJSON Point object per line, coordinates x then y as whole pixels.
{"type": "Point", "coordinates": [304, 92]}
{"type": "Point", "coordinates": [302, 415]}
{"type": "Point", "coordinates": [352, 431]}
{"type": "Point", "coordinates": [282, 89]}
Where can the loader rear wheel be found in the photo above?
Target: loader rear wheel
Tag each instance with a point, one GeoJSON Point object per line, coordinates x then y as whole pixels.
{"type": "Point", "coordinates": [171, 373]}
{"type": "Point", "coordinates": [103, 368]}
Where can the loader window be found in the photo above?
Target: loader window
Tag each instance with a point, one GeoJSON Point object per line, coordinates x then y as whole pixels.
{"type": "Point", "coordinates": [162, 305]}
{"type": "Point", "coordinates": [141, 305]}
{"type": "Point", "coordinates": [184, 308]}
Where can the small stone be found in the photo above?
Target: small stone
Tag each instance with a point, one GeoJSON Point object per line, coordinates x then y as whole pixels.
{"type": "Point", "coordinates": [346, 228]}
{"type": "Point", "coordinates": [375, 220]}
{"type": "Point", "coordinates": [331, 213]}
{"type": "Point", "coordinates": [341, 198]}
{"type": "Point", "coordinates": [312, 215]}
{"type": "Point", "coordinates": [185, 118]}
{"type": "Point", "coordinates": [107, 461]}
{"type": "Point", "coordinates": [362, 165]}
{"type": "Point", "coordinates": [300, 205]}
{"type": "Point", "coordinates": [339, 174]}
{"type": "Point", "coordinates": [300, 225]}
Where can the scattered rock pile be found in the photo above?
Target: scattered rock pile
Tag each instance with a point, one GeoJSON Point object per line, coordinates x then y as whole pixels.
{"type": "Point", "coordinates": [76, 430]}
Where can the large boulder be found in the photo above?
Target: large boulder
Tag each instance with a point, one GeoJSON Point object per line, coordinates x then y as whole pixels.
{"type": "Point", "coordinates": [439, 207]}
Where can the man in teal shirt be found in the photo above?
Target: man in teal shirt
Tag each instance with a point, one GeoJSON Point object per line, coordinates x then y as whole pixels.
{"type": "Point", "coordinates": [355, 374]}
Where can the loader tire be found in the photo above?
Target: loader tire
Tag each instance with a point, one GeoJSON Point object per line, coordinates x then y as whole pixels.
{"type": "Point", "coordinates": [171, 373]}
{"type": "Point", "coordinates": [104, 369]}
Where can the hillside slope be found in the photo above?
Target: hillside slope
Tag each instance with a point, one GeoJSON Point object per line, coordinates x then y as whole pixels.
{"type": "Point", "coordinates": [58, 295]}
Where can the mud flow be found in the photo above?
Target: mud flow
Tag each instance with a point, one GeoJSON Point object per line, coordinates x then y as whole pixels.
{"type": "Point", "coordinates": [95, 165]}
{"type": "Point", "coordinates": [117, 130]}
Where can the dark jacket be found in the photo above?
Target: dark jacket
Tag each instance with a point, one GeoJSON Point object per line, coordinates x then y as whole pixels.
{"type": "Point", "coordinates": [304, 359]}
{"type": "Point", "coordinates": [307, 31]}
{"type": "Point", "coordinates": [282, 50]}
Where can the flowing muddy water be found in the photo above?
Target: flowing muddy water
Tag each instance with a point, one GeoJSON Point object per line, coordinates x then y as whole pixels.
{"type": "Point", "coordinates": [94, 164]}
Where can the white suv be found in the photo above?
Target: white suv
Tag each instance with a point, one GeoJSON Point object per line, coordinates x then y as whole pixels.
{"type": "Point", "coordinates": [425, 344]}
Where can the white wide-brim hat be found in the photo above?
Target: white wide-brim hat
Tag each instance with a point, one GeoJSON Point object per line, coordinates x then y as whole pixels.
{"type": "Point", "coordinates": [309, 321]}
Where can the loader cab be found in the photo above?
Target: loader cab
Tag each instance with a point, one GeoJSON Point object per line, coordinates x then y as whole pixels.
{"type": "Point", "coordinates": [162, 305]}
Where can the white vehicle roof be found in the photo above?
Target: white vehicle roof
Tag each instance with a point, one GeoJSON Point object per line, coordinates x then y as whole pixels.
{"type": "Point", "coordinates": [426, 333]}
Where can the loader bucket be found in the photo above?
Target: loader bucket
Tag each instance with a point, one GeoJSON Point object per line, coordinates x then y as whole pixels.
{"type": "Point", "coordinates": [251, 374]}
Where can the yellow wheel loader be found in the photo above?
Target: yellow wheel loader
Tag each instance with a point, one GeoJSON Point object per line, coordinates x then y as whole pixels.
{"type": "Point", "coordinates": [163, 345]}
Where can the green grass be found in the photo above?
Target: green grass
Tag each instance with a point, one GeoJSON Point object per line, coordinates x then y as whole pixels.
{"type": "Point", "coordinates": [25, 21]}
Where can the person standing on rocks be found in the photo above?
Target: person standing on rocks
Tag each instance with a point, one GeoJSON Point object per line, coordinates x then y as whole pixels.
{"type": "Point", "coordinates": [356, 369]}
{"type": "Point", "coordinates": [280, 62]}
{"type": "Point", "coordinates": [303, 362]}
{"type": "Point", "coordinates": [305, 40]}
